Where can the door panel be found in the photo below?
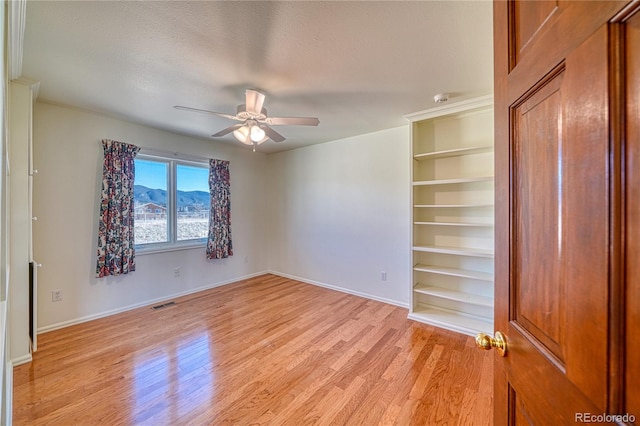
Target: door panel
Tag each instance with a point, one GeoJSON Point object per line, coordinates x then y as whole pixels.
{"type": "Point", "coordinates": [565, 29]}
{"type": "Point", "coordinates": [527, 19]}
{"type": "Point", "coordinates": [522, 415]}
{"type": "Point", "coordinates": [632, 382]}
{"type": "Point", "coordinates": [537, 204]}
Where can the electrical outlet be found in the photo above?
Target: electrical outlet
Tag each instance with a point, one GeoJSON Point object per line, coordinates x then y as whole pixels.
{"type": "Point", "coordinates": [383, 276]}
{"type": "Point", "coordinates": [176, 272]}
{"type": "Point", "coordinates": [56, 296]}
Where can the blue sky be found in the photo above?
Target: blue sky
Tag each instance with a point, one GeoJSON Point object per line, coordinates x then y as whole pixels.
{"type": "Point", "coordinates": [153, 175]}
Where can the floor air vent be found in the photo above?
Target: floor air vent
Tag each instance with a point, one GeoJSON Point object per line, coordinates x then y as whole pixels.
{"type": "Point", "coordinates": [164, 305]}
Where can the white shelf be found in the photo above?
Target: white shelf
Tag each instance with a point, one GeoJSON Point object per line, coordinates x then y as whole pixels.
{"type": "Point", "coordinates": [452, 320]}
{"type": "Point", "coordinates": [447, 168]}
{"type": "Point", "coordinates": [457, 296]}
{"type": "Point", "coordinates": [454, 272]}
{"type": "Point", "coordinates": [453, 181]}
{"type": "Point", "coordinates": [452, 153]}
{"type": "Point", "coordinates": [462, 251]}
{"type": "Point", "coordinates": [451, 206]}
{"type": "Point", "coordinates": [465, 224]}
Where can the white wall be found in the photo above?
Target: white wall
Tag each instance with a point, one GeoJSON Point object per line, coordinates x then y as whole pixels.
{"type": "Point", "coordinates": [340, 214]}
{"type": "Point", "coordinates": [20, 100]}
{"type": "Point", "coordinates": [335, 214]}
{"type": "Point", "coordinates": [68, 156]}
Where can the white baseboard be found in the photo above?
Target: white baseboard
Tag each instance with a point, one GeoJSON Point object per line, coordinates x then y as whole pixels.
{"type": "Point", "coordinates": [8, 394]}
{"type": "Point", "coordinates": [21, 360]}
{"type": "Point", "coordinates": [80, 320]}
{"type": "Point", "coordinates": [342, 289]}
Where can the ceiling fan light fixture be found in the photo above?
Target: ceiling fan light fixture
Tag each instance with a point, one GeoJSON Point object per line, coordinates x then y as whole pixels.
{"type": "Point", "coordinates": [242, 135]}
{"type": "Point", "coordinates": [257, 134]}
{"type": "Point", "coordinates": [250, 134]}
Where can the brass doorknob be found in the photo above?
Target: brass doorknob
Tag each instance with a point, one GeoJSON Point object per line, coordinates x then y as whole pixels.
{"type": "Point", "coordinates": [486, 342]}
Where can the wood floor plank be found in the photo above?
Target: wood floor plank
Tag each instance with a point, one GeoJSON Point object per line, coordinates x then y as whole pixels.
{"type": "Point", "coordinates": [263, 351]}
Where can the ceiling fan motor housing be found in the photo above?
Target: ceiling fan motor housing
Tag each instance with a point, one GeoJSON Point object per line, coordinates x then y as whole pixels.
{"type": "Point", "coordinates": [243, 114]}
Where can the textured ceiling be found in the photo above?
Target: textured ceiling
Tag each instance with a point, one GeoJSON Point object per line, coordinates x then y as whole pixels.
{"type": "Point", "coordinates": [357, 66]}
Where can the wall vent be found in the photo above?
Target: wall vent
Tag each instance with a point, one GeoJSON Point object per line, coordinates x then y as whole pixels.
{"type": "Point", "coordinates": [164, 305]}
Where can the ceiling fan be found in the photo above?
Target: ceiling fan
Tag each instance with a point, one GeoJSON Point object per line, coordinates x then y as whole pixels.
{"type": "Point", "coordinates": [253, 128]}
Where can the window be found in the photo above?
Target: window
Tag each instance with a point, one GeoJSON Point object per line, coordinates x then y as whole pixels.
{"type": "Point", "coordinates": [171, 202]}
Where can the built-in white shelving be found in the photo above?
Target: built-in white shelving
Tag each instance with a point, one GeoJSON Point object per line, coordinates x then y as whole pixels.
{"type": "Point", "coordinates": [453, 181]}
{"type": "Point", "coordinates": [460, 251]}
{"type": "Point", "coordinates": [452, 152]}
{"type": "Point", "coordinates": [455, 272]}
{"type": "Point", "coordinates": [450, 319]}
{"type": "Point", "coordinates": [490, 225]}
{"type": "Point", "coordinates": [451, 206]}
{"type": "Point", "coordinates": [452, 216]}
{"type": "Point", "coordinates": [458, 296]}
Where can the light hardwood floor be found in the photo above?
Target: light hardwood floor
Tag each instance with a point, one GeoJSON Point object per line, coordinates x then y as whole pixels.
{"type": "Point", "coordinates": [267, 350]}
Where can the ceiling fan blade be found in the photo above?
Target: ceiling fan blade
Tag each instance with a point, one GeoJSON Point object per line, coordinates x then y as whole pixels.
{"type": "Point", "coordinates": [273, 135]}
{"type": "Point", "coordinates": [204, 111]}
{"type": "Point", "coordinates": [254, 101]}
{"type": "Point", "coordinates": [227, 130]}
{"type": "Point", "coordinates": [292, 121]}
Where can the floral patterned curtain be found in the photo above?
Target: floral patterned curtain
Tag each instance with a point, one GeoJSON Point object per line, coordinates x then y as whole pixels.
{"type": "Point", "coordinates": [219, 242]}
{"type": "Point", "coordinates": [116, 250]}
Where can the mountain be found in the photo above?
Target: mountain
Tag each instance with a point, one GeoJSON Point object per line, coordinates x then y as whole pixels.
{"type": "Point", "coordinates": [144, 195]}
{"type": "Point", "coordinates": [197, 199]}
{"type": "Point", "coordinates": [186, 200]}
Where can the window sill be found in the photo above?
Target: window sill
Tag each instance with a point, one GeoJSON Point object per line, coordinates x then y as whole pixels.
{"type": "Point", "coordinates": [176, 247]}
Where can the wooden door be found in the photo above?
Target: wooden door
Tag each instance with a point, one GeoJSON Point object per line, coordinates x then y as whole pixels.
{"type": "Point", "coordinates": [562, 69]}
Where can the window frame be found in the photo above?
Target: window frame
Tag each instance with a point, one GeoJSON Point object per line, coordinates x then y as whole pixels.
{"type": "Point", "coordinates": [172, 242]}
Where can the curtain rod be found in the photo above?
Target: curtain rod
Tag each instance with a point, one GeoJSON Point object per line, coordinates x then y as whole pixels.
{"type": "Point", "coordinates": [175, 154]}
